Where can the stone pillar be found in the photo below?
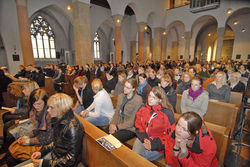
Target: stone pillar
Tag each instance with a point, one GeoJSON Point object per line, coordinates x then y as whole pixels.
{"type": "Point", "coordinates": [164, 47]}
{"type": "Point", "coordinates": [118, 44]}
{"type": "Point", "coordinates": [82, 33]}
{"type": "Point", "coordinates": [220, 33]}
{"type": "Point", "coordinates": [174, 53]}
{"type": "Point", "coordinates": [141, 26]}
{"type": "Point", "coordinates": [24, 31]}
{"type": "Point", "coordinates": [132, 51]}
{"type": "Point", "coordinates": [157, 44]}
{"type": "Point", "coordinates": [188, 36]}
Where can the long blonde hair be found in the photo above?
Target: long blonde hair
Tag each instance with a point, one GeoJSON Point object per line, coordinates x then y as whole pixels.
{"type": "Point", "coordinates": [224, 80]}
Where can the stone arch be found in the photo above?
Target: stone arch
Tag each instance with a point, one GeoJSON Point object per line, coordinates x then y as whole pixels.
{"type": "Point", "coordinates": [136, 10]}
{"type": "Point", "coordinates": [204, 19]}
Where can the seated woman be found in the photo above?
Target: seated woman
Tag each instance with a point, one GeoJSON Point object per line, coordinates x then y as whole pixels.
{"type": "Point", "coordinates": [205, 73]}
{"type": "Point", "coordinates": [110, 82]}
{"type": "Point", "coordinates": [22, 106]}
{"type": "Point", "coordinates": [219, 90]}
{"type": "Point", "coordinates": [144, 88]}
{"type": "Point", "coordinates": [172, 75]}
{"type": "Point", "coordinates": [235, 84]}
{"type": "Point", "coordinates": [188, 133]}
{"type": "Point", "coordinates": [166, 85]}
{"type": "Point", "coordinates": [195, 98]}
{"type": "Point", "coordinates": [153, 120]}
{"type": "Point", "coordinates": [41, 122]}
{"type": "Point", "coordinates": [122, 125]}
{"type": "Point", "coordinates": [186, 82]}
{"type": "Point", "coordinates": [243, 71]}
{"type": "Point", "coordinates": [84, 94]}
{"type": "Point", "coordinates": [120, 84]}
{"type": "Point", "coordinates": [152, 79]}
{"type": "Point", "coordinates": [66, 148]}
{"type": "Point", "coordinates": [101, 110]}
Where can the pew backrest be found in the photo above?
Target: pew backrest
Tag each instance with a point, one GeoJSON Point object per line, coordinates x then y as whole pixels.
{"type": "Point", "coordinates": [95, 155]}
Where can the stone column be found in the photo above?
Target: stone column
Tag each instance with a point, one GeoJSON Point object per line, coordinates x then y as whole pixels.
{"type": "Point", "coordinates": [132, 51]}
{"type": "Point", "coordinates": [157, 44]}
{"type": "Point", "coordinates": [82, 33]}
{"type": "Point", "coordinates": [188, 36]}
{"type": "Point", "coordinates": [164, 47]}
{"type": "Point", "coordinates": [141, 26]}
{"type": "Point", "coordinates": [174, 53]}
{"type": "Point", "coordinates": [118, 44]}
{"type": "Point", "coordinates": [24, 31]}
{"type": "Point", "coordinates": [220, 33]}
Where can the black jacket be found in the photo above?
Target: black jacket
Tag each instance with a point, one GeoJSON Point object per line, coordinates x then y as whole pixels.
{"type": "Point", "coordinates": [171, 95]}
{"type": "Point", "coordinates": [240, 87]}
{"type": "Point", "coordinates": [110, 84]}
{"type": "Point", "coordinates": [66, 148]}
{"type": "Point", "coordinates": [87, 96]}
{"type": "Point", "coordinates": [153, 82]}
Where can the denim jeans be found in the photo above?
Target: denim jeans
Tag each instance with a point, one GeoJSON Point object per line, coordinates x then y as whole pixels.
{"type": "Point", "coordinates": [98, 121]}
{"type": "Point", "coordinates": [79, 109]}
{"type": "Point", "coordinates": [141, 150]}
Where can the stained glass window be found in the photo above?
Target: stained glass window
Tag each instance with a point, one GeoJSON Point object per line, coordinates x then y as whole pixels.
{"type": "Point", "coordinates": [96, 46]}
{"type": "Point", "coordinates": [42, 38]}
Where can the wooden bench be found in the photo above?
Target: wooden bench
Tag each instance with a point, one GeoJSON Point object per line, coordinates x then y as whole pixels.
{"type": "Point", "coordinates": [95, 155]}
{"type": "Point", "coordinates": [49, 85]}
{"type": "Point", "coordinates": [218, 113]}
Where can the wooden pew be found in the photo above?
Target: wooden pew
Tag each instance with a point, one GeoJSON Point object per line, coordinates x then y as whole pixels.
{"type": "Point", "coordinates": [95, 155]}
{"type": "Point", "coordinates": [219, 113]}
{"type": "Point", "coordinates": [221, 136]}
{"type": "Point", "coordinates": [49, 85]}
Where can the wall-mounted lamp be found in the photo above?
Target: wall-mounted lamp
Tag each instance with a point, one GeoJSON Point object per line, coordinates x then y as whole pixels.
{"type": "Point", "coordinates": [146, 27]}
{"type": "Point", "coordinates": [164, 33]}
{"type": "Point", "coordinates": [182, 37]}
{"type": "Point", "coordinates": [243, 30]}
{"type": "Point", "coordinates": [236, 22]}
{"type": "Point", "coordinates": [229, 11]}
{"type": "Point", "coordinates": [113, 38]}
{"type": "Point", "coordinates": [68, 7]}
{"type": "Point", "coordinates": [118, 20]}
{"type": "Point", "coordinates": [209, 35]}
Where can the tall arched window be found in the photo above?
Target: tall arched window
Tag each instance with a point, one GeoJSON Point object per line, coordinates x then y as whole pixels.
{"type": "Point", "coordinates": [42, 38]}
{"type": "Point", "coordinates": [96, 46]}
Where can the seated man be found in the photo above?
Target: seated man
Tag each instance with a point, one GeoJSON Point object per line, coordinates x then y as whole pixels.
{"type": "Point", "coordinates": [101, 110]}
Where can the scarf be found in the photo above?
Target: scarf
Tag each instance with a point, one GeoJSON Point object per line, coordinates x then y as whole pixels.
{"type": "Point", "coordinates": [141, 86]}
{"type": "Point", "coordinates": [187, 83]}
{"type": "Point", "coordinates": [166, 89]}
{"type": "Point", "coordinates": [111, 77]}
{"type": "Point", "coordinates": [195, 94]}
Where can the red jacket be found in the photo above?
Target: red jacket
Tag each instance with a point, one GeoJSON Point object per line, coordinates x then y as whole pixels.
{"type": "Point", "coordinates": [201, 153]}
{"type": "Point", "coordinates": [153, 122]}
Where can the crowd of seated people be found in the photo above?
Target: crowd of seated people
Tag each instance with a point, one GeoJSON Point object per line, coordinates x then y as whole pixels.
{"type": "Point", "coordinates": [146, 102]}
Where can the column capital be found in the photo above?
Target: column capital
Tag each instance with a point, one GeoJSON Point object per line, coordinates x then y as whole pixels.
{"type": "Point", "coordinates": [21, 3]}
{"type": "Point", "coordinates": [188, 35]}
{"type": "Point", "coordinates": [141, 26]}
{"type": "Point", "coordinates": [221, 31]}
{"type": "Point", "coordinates": [118, 19]}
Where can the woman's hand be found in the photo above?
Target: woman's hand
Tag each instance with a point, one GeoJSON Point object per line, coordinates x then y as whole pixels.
{"type": "Point", "coordinates": [112, 92]}
{"type": "Point", "coordinates": [112, 128]}
{"type": "Point", "coordinates": [17, 121]}
{"type": "Point", "coordinates": [35, 155]}
{"type": "Point", "coordinates": [21, 141]}
{"type": "Point", "coordinates": [85, 113]}
{"type": "Point", "coordinates": [147, 144]}
{"type": "Point", "coordinates": [36, 162]}
{"type": "Point", "coordinates": [183, 145]}
{"type": "Point", "coordinates": [12, 110]}
{"type": "Point", "coordinates": [75, 88]}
